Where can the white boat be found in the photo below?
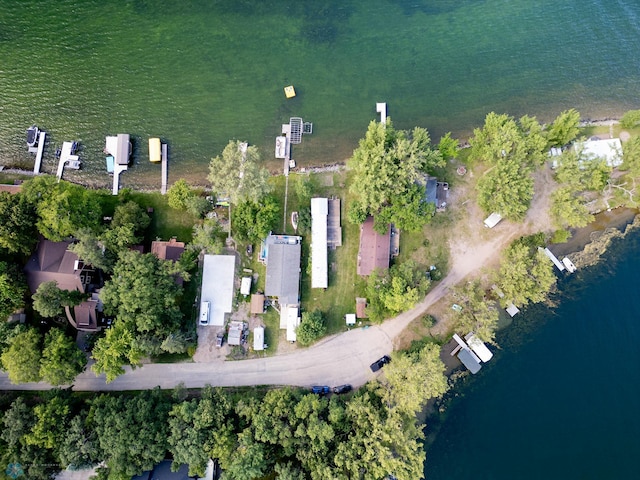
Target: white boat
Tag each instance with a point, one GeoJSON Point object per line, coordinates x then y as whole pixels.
{"type": "Point", "coordinates": [569, 264]}
{"type": "Point", "coordinates": [32, 136]}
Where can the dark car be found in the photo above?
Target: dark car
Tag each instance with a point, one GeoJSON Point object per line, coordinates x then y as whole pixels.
{"type": "Point", "coordinates": [219, 339]}
{"type": "Point", "coordinates": [342, 389]}
{"type": "Point", "coordinates": [320, 389]}
{"type": "Point", "coordinates": [381, 362]}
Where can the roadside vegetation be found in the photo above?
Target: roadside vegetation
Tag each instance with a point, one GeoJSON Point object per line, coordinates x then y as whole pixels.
{"type": "Point", "coordinates": [252, 434]}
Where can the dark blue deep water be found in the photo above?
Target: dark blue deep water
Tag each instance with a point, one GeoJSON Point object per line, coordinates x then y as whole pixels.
{"type": "Point", "coordinates": [562, 398]}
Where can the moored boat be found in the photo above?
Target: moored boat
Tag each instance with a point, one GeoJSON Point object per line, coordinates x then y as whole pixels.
{"type": "Point", "coordinates": [32, 136]}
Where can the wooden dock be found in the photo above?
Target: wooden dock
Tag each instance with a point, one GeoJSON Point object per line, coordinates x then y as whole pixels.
{"type": "Point", "coordinates": [36, 166]}
{"type": "Point", "coordinates": [165, 169]}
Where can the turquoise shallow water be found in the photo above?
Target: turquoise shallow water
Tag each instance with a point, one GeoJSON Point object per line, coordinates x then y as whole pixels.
{"type": "Point", "coordinates": [200, 73]}
{"type": "Point", "coordinates": [561, 399]}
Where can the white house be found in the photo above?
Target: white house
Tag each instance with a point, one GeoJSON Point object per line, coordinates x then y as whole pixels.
{"type": "Point", "coordinates": [609, 149]}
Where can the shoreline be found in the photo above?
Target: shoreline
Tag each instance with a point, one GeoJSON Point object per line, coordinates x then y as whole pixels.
{"type": "Point", "coordinates": [585, 249]}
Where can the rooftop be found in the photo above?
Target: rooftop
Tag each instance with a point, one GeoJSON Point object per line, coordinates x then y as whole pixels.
{"type": "Point", "coordinates": [374, 248]}
{"type": "Point", "coordinates": [217, 286]}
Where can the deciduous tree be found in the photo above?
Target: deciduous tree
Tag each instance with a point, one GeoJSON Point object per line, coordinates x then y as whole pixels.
{"type": "Point", "coordinates": [413, 378]}
{"type": "Point", "coordinates": [18, 233]}
{"type": "Point", "coordinates": [132, 431]}
{"type": "Point", "coordinates": [22, 359]}
{"type": "Point", "coordinates": [62, 360]}
{"type": "Point", "coordinates": [253, 221]}
{"type": "Point", "coordinates": [237, 174]}
{"type": "Point", "coordinates": [12, 289]}
{"type": "Point", "coordinates": [311, 327]}
{"type": "Point", "coordinates": [49, 299]}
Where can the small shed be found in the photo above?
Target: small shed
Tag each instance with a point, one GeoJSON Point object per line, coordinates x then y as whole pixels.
{"type": "Point", "coordinates": [361, 307]}
{"type": "Point", "coordinates": [492, 220]}
{"type": "Point", "coordinates": [350, 318]}
{"type": "Point", "coordinates": [235, 333]}
{"type": "Point", "coordinates": [257, 304]}
{"type": "Point", "coordinates": [258, 339]}
{"type": "Point", "coordinates": [512, 310]}
{"type": "Point", "coordinates": [245, 287]}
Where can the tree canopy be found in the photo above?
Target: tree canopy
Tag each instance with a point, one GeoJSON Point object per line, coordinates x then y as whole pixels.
{"type": "Point", "coordinates": [132, 431]}
{"type": "Point", "coordinates": [513, 149]}
{"type": "Point", "coordinates": [62, 207]}
{"type": "Point", "coordinates": [18, 233]}
{"type": "Point", "coordinates": [21, 360]}
{"type": "Point", "coordinates": [526, 274]}
{"type": "Point", "coordinates": [237, 174]}
{"type": "Point", "coordinates": [564, 129]}
{"type": "Point", "coordinates": [388, 167]}
{"type": "Point", "coordinates": [62, 360]}
{"type": "Point", "coordinates": [12, 289]}
{"type": "Point", "coordinates": [254, 220]}
{"type": "Point", "coordinates": [49, 299]}
{"type": "Point", "coordinates": [143, 296]}
{"type": "Point", "coordinates": [412, 378]}
{"type": "Point", "coordinates": [311, 327]}
{"type": "Point", "coordinates": [478, 314]}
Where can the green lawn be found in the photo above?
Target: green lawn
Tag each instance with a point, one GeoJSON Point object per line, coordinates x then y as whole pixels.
{"type": "Point", "coordinates": [166, 222]}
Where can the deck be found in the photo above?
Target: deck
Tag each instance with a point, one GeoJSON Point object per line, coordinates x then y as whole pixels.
{"type": "Point", "coordinates": [334, 230]}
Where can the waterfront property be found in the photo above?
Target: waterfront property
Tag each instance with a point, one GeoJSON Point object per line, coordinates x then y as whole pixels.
{"type": "Point", "coordinates": [119, 148]}
{"type": "Point", "coordinates": [217, 286]}
{"type": "Point", "coordinates": [53, 262]}
{"type": "Point", "coordinates": [319, 249]}
{"type": "Point", "coordinates": [468, 358]}
{"type": "Point", "coordinates": [609, 149]}
{"type": "Point", "coordinates": [478, 347]}
{"type": "Point", "coordinates": [374, 252]}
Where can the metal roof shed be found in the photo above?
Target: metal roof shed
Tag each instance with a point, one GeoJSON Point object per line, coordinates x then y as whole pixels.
{"type": "Point", "coordinates": [258, 339]}
{"type": "Point", "coordinates": [319, 248]}
{"type": "Point", "coordinates": [469, 360]}
{"type": "Point", "coordinates": [245, 287]}
{"type": "Point", "coordinates": [492, 220]}
{"type": "Point", "coordinates": [217, 286]}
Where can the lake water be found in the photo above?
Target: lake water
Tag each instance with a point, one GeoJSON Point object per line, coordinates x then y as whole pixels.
{"type": "Point", "coordinates": [561, 398]}
{"type": "Point", "coordinates": [200, 73]}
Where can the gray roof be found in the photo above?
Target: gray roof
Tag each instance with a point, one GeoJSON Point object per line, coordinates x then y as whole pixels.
{"type": "Point", "coordinates": [53, 262]}
{"type": "Point", "coordinates": [162, 471]}
{"type": "Point", "coordinates": [283, 272]}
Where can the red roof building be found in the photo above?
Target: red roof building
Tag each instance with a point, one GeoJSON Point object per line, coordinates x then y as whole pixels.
{"type": "Point", "coordinates": [374, 250]}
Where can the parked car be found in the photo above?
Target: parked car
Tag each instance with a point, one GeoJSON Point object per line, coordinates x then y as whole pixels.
{"type": "Point", "coordinates": [219, 339]}
{"type": "Point", "coordinates": [381, 362]}
{"type": "Point", "coordinates": [320, 389]}
{"type": "Point", "coordinates": [342, 389]}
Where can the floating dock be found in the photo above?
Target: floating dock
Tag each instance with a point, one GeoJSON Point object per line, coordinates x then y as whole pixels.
{"type": "Point", "coordinates": [39, 151]}
{"type": "Point", "coordinates": [381, 108]}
